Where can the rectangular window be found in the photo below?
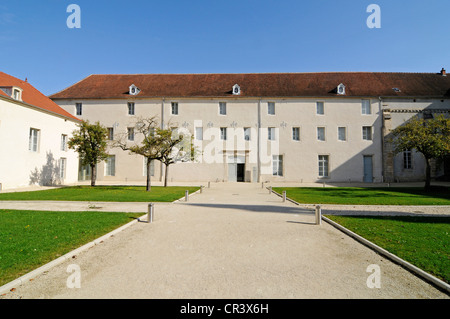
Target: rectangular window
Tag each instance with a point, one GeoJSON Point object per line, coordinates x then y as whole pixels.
{"type": "Point", "coordinates": [367, 133]}
{"type": "Point", "coordinates": [110, 133]}
{"type": "Point", "coordinates": [277, 165]}
{"type": "Point", "coordinates": [320, 108]}
{"type": "Point", "coordinates": [296, 133]}
{"type": "Point", "coordinates": [223, 133]}
{"type": "Point", "coordinates": [321, 133]}
{"type": "Point", "coordinates": [222, 108]}
{"type": "Point", "coordinates": [130, 108]}
{"type": "Point", "coordinates": [62, 167]}
{"type": "Point", "coordinates": [174, 108]}
{"type": "Point", "coordinates": [130, 133]}
{"type": "Point", "coordinates": [33, 142]}
{"type": "Point", "coordinates": [342, 133]}
{"type": "Point", "coordinates": [79, 108]}
{"type": "Point", "coordinates": [271, 108]}
{"type": "Point", "coordinates": [199, 133]}
{"type": "Point", "coordinates": [63, 142]}
{"type": "Point", "coordinates": [110, 167]}
{"type": "Point", "coordinates": [407, 159]}
{"type": "Point", "coordinates": [323, 165]}
{"type": "Point", "coordinates": [152, 167]}
{"type": "Point", "coordinates": [247, 133]}
{"type": "Point", "coordinates": [365, 107]}
{"type": "Point", "coordinates": [271, 133]}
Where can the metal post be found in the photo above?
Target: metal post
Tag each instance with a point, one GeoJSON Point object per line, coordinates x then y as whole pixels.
{"type": "Point", "coordinates": [318, 215]}
{"type": "Point", "coordinates": [209, 184]}
{"type": "Point", "coordinates": [284, 196]}
{"type": "Point", "coordinates": [270, 189]}
{"type": "Point", "coordinates": [186, 195]}
{"type": "Point", "coordinates": [150, 213]}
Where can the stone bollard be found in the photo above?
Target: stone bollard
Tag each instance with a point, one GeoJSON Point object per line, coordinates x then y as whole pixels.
{"type": "Point", "coordinates": [318, 215]}
{"type": "Point", "coordinates": [284, 196]}
{"type": "Point", "coordinates": [150, 213]}
{"type": "Point", "coordinates": [186, 195]}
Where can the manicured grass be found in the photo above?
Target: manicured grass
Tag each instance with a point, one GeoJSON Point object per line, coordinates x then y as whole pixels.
{"type": "Point", "coordinates": [30, 239]}
{"type": "Point", "coordinates": [367, 196]}
{"type": "Point", "coordinates": [104, 194]}
{"type": "Point", "coordinates": [421, 241]}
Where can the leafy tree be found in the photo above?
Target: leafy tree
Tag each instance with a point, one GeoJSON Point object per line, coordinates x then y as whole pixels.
{"type": "Point", "coordinates": [90, 142]}
{"type": "Point", "coordinates": [146, 142]}
{"type": "Point", "coordinates": [431, 137]}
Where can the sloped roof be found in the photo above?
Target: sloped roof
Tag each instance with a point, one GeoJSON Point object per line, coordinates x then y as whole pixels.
{"type": "Point", "coordinates": [32, 96]}
{"type": "Point", "coordinates": [368, 84]}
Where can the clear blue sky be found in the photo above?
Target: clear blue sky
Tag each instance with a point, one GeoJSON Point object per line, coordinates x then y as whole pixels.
{"type": "Point", "coordinates": [209, 36]}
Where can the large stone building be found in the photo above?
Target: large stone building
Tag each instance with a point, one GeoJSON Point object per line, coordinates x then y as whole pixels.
{"type": "Point", "coordinates": [33, 137]}
{"type": "Point", "coordinates": [287, 127]}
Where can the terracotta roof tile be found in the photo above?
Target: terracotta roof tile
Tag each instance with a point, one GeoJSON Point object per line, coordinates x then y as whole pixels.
{"type": "Point", "coordinates": [32, 96]}
{"type": "Point", "coordinates": [260, 85]}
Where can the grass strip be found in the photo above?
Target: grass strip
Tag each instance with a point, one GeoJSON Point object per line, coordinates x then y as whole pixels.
{"type": "Point", "coordinates": [421, 241]}
{"type": "Point", "coordinates": [30, 239]}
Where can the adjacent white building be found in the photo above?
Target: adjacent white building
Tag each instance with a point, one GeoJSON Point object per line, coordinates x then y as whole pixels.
{"type": "Point", "coordinates": [284, 127]}
{"type": "Point", "coordinates": [33, 137]}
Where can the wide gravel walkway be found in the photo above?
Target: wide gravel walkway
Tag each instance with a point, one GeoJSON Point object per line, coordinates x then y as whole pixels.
{"type": "Point", "coordinates": [232, 241]}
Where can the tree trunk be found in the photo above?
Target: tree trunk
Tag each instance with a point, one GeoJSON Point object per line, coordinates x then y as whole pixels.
{"type": "Point", "coordinates": [93, 175]}
{"type": "Point", "coordinates": [427, 174]}
{"type": "Point", "coordinates": [165, 177]}
{"type": "Point", "coordinates": [149, 185]}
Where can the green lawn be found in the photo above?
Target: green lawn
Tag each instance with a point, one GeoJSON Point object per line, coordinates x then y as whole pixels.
{"type": "Point", "coordinates": [30, 239]}
{"type": "Point", "coordinates": [104, 194]}
{"type": "Point", "coordinates": [421, 241]}
{"type": "Point", "coordinates": [367, 196]}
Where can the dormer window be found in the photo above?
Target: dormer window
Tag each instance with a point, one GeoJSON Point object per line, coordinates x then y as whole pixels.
{"type": "Point", "coordinates": [341, 89]}
{"type": "Point", "coordinates": [236, 89]}
{"type": "Point", "coordinates": [134, 90]}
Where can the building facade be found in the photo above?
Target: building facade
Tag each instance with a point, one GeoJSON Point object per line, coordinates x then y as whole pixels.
{"type": "Point", "coordinates": [33, 137]}
{"type": "Point", "coordinates": [290, 127]}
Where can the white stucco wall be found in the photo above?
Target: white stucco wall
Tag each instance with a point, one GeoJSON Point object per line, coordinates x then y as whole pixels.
{"type": "Point", "coordinates": [300, 158]}
{"type": "Point", "coordinates": [20, 167]}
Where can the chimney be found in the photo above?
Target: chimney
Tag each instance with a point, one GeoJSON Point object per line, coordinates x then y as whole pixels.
{"type": "Point", "coordinates": [443, 73]}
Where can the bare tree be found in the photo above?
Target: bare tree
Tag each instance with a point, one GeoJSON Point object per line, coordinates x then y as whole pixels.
{"type": "Point", "coordinates": [145, 142]}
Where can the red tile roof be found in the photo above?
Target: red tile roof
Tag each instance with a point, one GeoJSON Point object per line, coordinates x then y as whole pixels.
{"type": "Point", "coordinates": [260, 85]}
{"type": "Point", "coordinates": [32, 96]}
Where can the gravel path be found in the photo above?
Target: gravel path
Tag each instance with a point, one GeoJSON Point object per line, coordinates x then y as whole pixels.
{"type": "Point", "coordinates": [231, 241]}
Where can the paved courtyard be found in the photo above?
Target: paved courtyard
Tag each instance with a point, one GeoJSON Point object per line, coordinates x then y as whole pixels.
{"type": "Point", "coordinates": [231, 241]}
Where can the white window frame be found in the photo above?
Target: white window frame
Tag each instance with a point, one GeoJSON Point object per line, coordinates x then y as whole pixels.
{"type": "Point", "coordinates": [366, 107]}
{"type": "Point", "coordinates": [110, 133]}
{"type": "Point", "coordinates": [407, 159]}
{"type": "Point", "coordinates": [131, 108]}
{"type": "Point", "coordinates": [64, 139]}
{"type": "Point", "coordinates": [277, 165]}
{"type": "Point", "coordinates": [130, 133]}
{"type": "Point", "coordinates": [320, 128]}
{"type": "Point", "coordinates": [320, 110]}
{"type": "Point", "coordinates": [367, 133]}
{"type": "Point", "coordinates": [79, 108]}
{"type": "Point", "coordinates": [324, 166]}
{"type": "Point", "coordinates": [199, 133]}
{"type": "Point", "coordinates": [340, 128]}
{"type": "Point", "coordinates": [271, 134]}
{"type": "Point", "coordinates": [174, 108]}
{"type": "Point", "coordinates": [62, 167]}
{"type": "Point", "coordinates": [110, 166]}
{"type": "Point", "coordinates": [33, 140]}
{"type": "Point", "coordinates": [296, 133]}
{"type": "Point", "coordinates": [223, 133]}
{"type": "Point", "coordinates": [222, 108]}
{"type": "Point", "coordinates": [271, 108]}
